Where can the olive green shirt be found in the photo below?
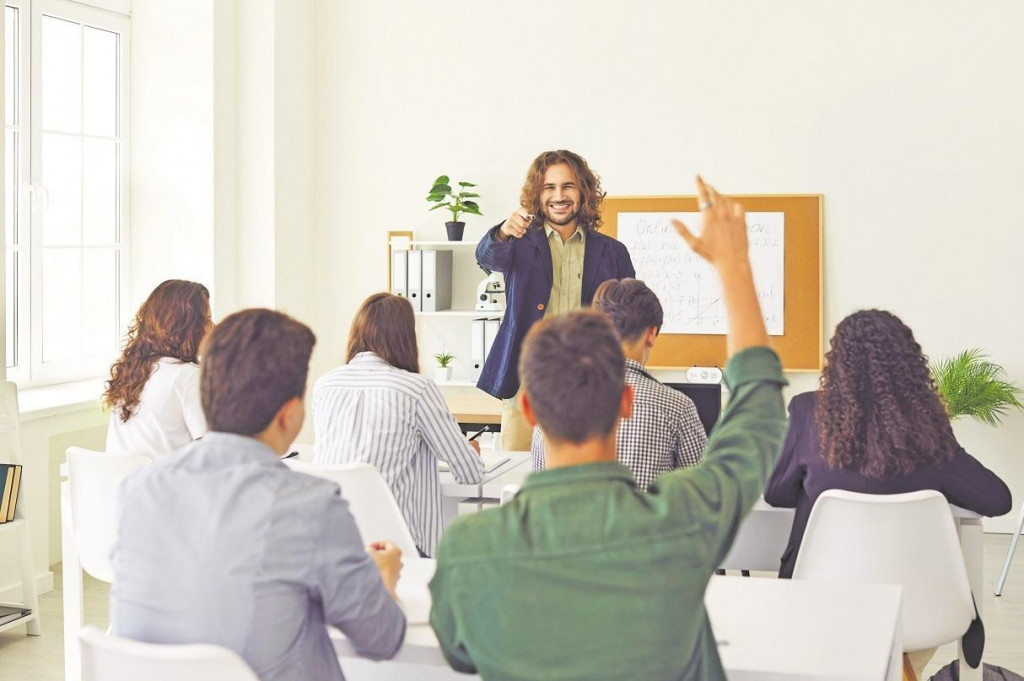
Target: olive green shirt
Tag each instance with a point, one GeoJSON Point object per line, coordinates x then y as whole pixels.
{"type": "Point", "coordinates": [583, 576]}
{"type": "Point", "coordinates": [566, 271]}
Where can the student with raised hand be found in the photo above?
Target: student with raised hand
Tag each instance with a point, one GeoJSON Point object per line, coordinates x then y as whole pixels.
{"type": "Point", "coordinates": [224, 544]}
{"type": "Point", "coordinates": [663, 432]}
{"type": "Point", "coordinates": [582, 575]}
{"type": "Point", "coordinates": [877, 425]}
{"type": "Point", "coordinates": [153, 391]}
{"type": "Point", "coordinates": [378, 409]}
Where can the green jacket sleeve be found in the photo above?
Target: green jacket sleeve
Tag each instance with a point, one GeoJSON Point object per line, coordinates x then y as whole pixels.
{"type": "Point", "coordinates": [741, 452]}
{"type": "Point", "coordinates": [443, 617]}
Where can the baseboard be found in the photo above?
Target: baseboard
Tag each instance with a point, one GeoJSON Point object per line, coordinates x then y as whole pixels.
{"type": "Point", "coordinates": [12, 593]}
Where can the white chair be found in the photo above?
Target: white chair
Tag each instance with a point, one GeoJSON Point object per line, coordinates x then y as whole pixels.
{"type": "Point", "coordinates": [905, 539]}
{"type": "Point", "coordinates": [88, 532]}
{"type": "Point", "coordinates": [508, 493]}
{"type": "Point", "coordinates": [110, 658]}
{"type": "Point", "coordinates": [369, 498]}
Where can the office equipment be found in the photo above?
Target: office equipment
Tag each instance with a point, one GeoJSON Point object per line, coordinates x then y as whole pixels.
{"type": "Point", "coordinates": [415, 271]}
{"type": "Point", "coordinates": [476, 343]}
{"type": "Point", "coordinates": [491, 327]}
{"type": "Point", "coordinates": [704, 375]}
{"type": "Point", "coordinates": [437, 280]}
{"type": "Point", "coordinates": [490, 293]}
{"type": "Point", "coordinates": [400, 273]}
{"type": "Point", "coordinates": [785, 244]}
{"type": "Point", "coordinates": [707, 397]}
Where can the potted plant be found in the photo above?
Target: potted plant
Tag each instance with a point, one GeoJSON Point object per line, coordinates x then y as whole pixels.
{"type": "Point", "coordinates": [443, 370]}
{"type": "Point", "coordinates": [442, 196]}
{"type": "Point", "coordinates": [972, 385]}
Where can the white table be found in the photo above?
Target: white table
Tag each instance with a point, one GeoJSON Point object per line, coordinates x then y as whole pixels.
{"type": "Point", "coordinates": [488, 491]}
{"type": "Point", "coordinates": [767, 630]}
{"type": "Point", "coordinates": [765, 532]}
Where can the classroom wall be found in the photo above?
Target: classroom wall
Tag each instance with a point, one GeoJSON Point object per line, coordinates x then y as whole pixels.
{"type": "Point", "coordinates": [906, 116]}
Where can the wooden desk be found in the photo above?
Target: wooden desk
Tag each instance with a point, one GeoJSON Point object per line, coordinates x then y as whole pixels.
{"type": "Point", "coordinates": [767, 629]}
{"type": "Point", "coordinates": [474, 408]}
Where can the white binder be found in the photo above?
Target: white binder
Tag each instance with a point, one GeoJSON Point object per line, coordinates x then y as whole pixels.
{"type": "Point", "coordinates": [400, 273]}
{"type": "Point", "coordinates": [476, 343]}
{"type": "Point", "coordinates": [416, 280]}
{"type": "Point", "coordinates": [490, 333]}
{"type": "Point", "coordinates": [437, 281]}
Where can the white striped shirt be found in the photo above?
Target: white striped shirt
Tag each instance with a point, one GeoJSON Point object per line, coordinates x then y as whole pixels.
{"type": "Point", "coordinates": [368, 411]}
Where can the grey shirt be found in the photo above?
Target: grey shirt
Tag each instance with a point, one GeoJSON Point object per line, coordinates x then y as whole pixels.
{"type": "Point", "coordinates": [222, 543]}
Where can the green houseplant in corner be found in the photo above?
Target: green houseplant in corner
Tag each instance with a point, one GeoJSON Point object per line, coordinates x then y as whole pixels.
{"type": "Point", "coordinates": [972, 385]}
{"type": "Point", "coordinates": [442, 196]}
{"type": "Point", "coordinates": [443, 370]}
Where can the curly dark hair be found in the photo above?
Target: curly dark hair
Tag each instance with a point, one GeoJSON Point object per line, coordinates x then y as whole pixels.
{"type": "Point", "coordinates": [878, 410]}
{"type": "Point", "coordinates": [589, 184]}
{"type": "Point", "coordinates": [171, 323]}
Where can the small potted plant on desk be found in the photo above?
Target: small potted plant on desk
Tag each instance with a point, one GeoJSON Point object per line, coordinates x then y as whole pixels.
{"type": "Point", "coordinates": [443, 370]}
{"type": "Point", "coordinates": [442, 196]}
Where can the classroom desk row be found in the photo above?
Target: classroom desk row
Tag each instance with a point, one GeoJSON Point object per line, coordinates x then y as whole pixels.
{"type": "Point", "coordinates": [767, 629]}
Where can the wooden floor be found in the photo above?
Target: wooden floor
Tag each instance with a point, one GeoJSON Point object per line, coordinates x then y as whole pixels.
{"type": "Point", "coordinates": [41, 658]}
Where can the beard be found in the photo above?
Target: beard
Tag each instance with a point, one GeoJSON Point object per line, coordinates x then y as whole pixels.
{"type": "Point", "coordinates": [560, 220]}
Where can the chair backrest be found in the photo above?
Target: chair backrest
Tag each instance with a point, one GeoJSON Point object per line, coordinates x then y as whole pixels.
{"type": "Point", "coordinates": [93, 479]}
{"type": "Point", "coordinates": [369, 498]}
{"type": "Point", "coordinates": [905, 539]}
{"type": "Point", "coordinates": [508, 493]}
{"type": "Point", "coordinates": [110, 658]}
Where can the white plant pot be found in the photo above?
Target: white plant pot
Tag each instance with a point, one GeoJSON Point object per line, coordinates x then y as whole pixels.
{"type": "Point", "coordinates": [442, 374]}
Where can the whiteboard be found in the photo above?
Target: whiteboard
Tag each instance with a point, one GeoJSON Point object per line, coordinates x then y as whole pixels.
{"type": "Point", "coordinates": [688, 288]}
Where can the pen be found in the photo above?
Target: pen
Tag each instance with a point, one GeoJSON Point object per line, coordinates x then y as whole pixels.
{"type": "Point", "coordinates": [479, 433]}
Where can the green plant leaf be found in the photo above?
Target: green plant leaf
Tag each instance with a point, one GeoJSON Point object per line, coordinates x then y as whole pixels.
{"type": "Point", "coordinates": [465, 184]}
{"type": "Point", "coordinates": [473, 209]}
{"type": "Point", "coordinates": [441, 189]}
{"type": "Point", "coordinates": [437, 197]}
{"type": "Point", "coordinates": [444, 359]}
{"type": "Point", "coordinates": [442, 179]}
{"type": "Point", "coordinates": [440, 205]}
{"type": "Point", "coordinates": [466, 195]}
{"type": "Point", "coordinates": [972, 385]}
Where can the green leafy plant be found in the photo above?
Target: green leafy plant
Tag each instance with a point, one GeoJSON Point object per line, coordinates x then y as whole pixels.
{"type": "Point", "coordinates": [442, 195]}
{"type": "Point", "coordinates": [444, 359]}
{"type": "Point", "coordinates": [972, 385]}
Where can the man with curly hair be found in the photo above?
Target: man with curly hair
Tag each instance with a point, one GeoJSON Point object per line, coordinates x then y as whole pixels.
{"type": "Point", "coordinates": [553, 258]}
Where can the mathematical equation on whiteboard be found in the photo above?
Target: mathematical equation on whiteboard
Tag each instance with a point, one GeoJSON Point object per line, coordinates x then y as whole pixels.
{"type": "Point", "coordinates": [688, 287]}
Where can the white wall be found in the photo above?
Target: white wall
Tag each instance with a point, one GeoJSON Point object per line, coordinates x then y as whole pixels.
{"type": "Point", "coordinates": [906, 116]}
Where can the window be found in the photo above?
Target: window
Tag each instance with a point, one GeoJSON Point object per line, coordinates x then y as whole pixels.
{"type": "Point", "coordinates": [66, 181]}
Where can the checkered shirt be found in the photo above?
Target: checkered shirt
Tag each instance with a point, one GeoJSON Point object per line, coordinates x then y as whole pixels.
{"type": "Point", "coordinates": [664, 432]}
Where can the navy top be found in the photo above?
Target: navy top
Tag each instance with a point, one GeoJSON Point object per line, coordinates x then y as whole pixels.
{"type": "Point", "coordinates": [802, 474]}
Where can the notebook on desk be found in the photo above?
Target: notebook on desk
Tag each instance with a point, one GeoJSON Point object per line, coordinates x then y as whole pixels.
{"type": "Point", "coordinates": [492, 462]}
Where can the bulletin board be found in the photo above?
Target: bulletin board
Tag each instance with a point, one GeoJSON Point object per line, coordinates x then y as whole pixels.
{"type": "Point", "coordinates": [793, 307]}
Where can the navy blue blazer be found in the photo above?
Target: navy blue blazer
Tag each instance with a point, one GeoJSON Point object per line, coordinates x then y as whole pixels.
{"type": "Point", "coordinates": [526, 264]}
{"type": "Point", "coordinates": [802, 474]}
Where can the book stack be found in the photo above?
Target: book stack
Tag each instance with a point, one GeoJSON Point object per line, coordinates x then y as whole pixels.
{"type": "Point", "coordinates": [10, 485]}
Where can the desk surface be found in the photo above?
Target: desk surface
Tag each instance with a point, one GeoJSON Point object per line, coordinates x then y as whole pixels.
{"type": "Point", "coordinates": [766, 629]}
{"type": "Point", "coordinates": [474, 406]}
{"type": "Point", "coordinates": [514, 471]}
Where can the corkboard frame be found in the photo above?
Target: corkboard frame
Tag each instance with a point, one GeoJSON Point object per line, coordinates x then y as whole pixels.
{"type": "Point", "coordinates": [800, 348]}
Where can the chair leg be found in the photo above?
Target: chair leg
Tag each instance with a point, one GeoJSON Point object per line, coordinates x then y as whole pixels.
{"type": "Point", "coordinates": [72, 591]}
{"type": "Point", "coordinates": [1009, 553]}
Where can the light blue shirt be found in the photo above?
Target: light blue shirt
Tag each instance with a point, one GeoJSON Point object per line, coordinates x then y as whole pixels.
{"type": "Point", "coordinates": [222, 543]}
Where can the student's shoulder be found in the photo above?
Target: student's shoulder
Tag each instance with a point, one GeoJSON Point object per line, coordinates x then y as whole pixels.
{"type": "Point", "coordinates": [474, 537]}
{"type": "Point", "coordinates": [803, 404]}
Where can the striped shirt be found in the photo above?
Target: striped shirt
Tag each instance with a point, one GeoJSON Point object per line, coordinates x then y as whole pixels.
{"type": "Point", "coordinates": [663, 433]}
{"type": "Point", "coordinates": [368, 411]}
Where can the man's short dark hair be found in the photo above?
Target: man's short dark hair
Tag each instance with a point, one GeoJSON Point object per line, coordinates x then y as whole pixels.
{"type": "Point", "coordinates": [632, 307]}
{"type": "Point", "coordinates": [573, 371]}
{"type": "Point", "coordinates": [252, 363]}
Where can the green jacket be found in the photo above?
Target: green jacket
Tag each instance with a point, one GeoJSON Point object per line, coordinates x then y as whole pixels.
{"type": "Point", "coordinates": [583, 576]}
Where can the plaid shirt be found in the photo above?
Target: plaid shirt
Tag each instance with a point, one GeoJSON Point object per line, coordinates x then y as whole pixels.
{"type": "Point", "coordinates": [663, 433]}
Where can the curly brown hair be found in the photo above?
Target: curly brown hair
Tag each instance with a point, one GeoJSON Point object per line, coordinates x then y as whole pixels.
{"type": "Point", "coordinates": [589, 184]}
{"type": "Point", "coordinates": [171, 323]}
{"type": "Point", "coordinates": [878, 410]}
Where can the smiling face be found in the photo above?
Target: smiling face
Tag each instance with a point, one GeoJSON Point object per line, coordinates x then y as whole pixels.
{"type": "Point", "coordinates": [560, 195]}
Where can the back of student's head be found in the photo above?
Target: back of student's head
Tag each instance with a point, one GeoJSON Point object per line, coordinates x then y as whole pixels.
{"type": "Point", "coordinates": [878, 410]}
{"type": "Point", "coordinates": [386, 326]}
{"type": "Point", "coordinates": [253, 362]}
{"type": "Point", "coordinates": [632, 307]}
{"type": "Point", "coordinates": [170, 323]}
{"type": "Point", "coordinates": [573, 371]}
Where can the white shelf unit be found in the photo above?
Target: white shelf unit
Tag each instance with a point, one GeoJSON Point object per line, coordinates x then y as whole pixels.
{"type": "Point", "coordinates": [448, 330]}
{"type": "Point", "coordinates": [10, 452]}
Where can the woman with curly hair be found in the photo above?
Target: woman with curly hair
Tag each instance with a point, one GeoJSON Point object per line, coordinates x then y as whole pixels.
{"type": "Point", "coordinates": [553, 258]}
{"type": "Point", "coordinates": [877, 425]}
{"type": "Point", "coordinates": [153, 391]}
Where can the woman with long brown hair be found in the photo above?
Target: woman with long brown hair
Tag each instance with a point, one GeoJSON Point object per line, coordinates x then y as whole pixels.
{"type": "Point", "coordinates": [153, 391]}
{"type": "Point", "coordinates": [378, 409]}
{"type": "Point", "coordinates": [877, 425]}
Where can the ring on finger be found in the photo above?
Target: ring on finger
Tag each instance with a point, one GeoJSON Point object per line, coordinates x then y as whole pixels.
{"type": "Point", "coordinates": [704, 205]}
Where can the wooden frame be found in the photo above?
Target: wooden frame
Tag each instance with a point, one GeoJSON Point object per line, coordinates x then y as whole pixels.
{"type": "Point", "coordinates": [800, 347]}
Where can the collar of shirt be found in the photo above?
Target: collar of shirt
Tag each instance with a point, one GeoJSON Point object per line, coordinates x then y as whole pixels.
{"type": "Point", "coordinates": [549, 230]}
{"type": "Point", "coordinates": [570, 475]}
{"type": "Point", "coordinates": [633, 366]}
{"type": "Point", "coordinates": [367, 357]}
{"type": "Point", "coordinates": [233, 449]}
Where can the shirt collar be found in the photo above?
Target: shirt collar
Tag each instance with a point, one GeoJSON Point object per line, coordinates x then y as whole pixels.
{"type": "Point", "coordinates": [570, 475]}
{"type": "Point", "coordinates": [231, 448]}
{"type": "Point", "coordinates": [549, 230]}
{"type": "Point", "coordinates": [633, 366]}
{"type": "Point", "coordinates": [366, 357]}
